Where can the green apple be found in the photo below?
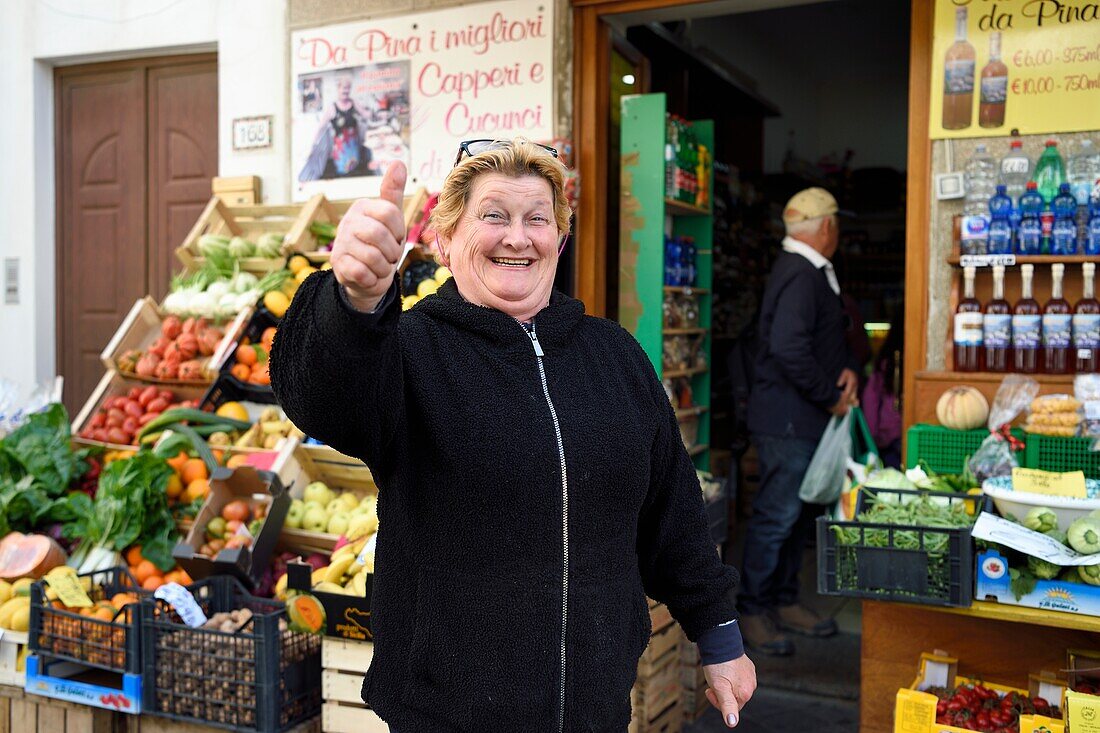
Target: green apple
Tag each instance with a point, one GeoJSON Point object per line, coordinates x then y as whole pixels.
{"type": "Point", "coordinates": [338, 523]}
{"type": "Point", "coordinates": [349, 500]}
{"type": "Point", "coordinates": [315, 520]}
{"type": "Point", "coordinates": [314, 505]}
{"type": "Point", "coordinates": [334, 506]}
{"type": "Point", "coordinates": [295, 513]}
{"type": "Point", "coordinates": [318, 492]}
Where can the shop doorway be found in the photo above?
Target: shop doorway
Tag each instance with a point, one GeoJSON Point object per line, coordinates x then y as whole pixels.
{"type": "Point", "coordinates": [136, 147]}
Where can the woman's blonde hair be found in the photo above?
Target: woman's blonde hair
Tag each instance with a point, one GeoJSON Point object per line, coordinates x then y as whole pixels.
{"type": "Point", "coordinates": [520, 157]}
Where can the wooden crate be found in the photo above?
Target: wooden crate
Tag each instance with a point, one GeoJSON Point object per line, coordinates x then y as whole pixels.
{"type": "Point", "coordinates": [345, 662]}
{"type": "Point", "coordinates": [142, 326]}
{"type": "Point", "coordinates": [297, 467]}
{"type": "Point", "coordinates": [114, 384]}
{"type": "Point", "coordinates": [12, 643]}
{"type": "Point", "coordinates": [654, 693]}
{"type": "Point", "coordinates": [23, 713]}
{"type": "Point", "coordinates": [659, 616]}
{"type": "Point", "coordinates": [289, 220]}
{"type": "Point", "coordinates": [238, 190]}
{"type": "Point", "coordinates": [659, 645]}
{"type": "Point", "coordinates": [669, 721]}
{"type": "Point", "coordinates": [330, 212]}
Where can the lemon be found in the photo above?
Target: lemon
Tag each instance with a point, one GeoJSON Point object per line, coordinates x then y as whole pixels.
{"type": "Point", "coordinates": [232, 410]}
{"type": "Point", "coordinates": [296, 263]}
{"type": "Point", "coordinates": [441, 275]}
{"type": "Point", "coordinates": [290, 287]}
{"type": "Point", "coordinates": [276, 302]}
{"type": "Point", "coordinates": [326, 266]}
{"type": "Point", "coordinates": [426, 288]}
{"type": "Point", "coordinates": [409, 301]}
{"type": "Point", "coordinates": [305, 272]}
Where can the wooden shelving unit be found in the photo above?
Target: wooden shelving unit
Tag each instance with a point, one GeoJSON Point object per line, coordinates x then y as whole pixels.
{"type": "Point", "coordinates": [689, 412]}
{"type": "Point", "coordinates": [648, 214]}
{"type": "Point", "coordinates": [956, 259]}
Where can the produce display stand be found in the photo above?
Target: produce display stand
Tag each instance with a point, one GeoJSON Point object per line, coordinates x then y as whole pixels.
{"type": "Point", "coordinates": [344, 662]}
{"type": "Point", "coordinates": [648, 214]}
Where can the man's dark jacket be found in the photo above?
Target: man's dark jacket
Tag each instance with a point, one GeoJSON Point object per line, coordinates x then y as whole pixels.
{"type": "Point", "coordinates": [801, 353]}
{"type": "Point", "coordinates": [446, 405]}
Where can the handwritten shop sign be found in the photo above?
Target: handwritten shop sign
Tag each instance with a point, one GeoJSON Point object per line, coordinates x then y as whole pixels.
{"type": "Point", "coordinates": [411, 88]}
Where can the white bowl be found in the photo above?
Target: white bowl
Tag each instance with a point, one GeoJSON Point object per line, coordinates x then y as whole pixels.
{"type": "Point", "coordinates": [1019, 503]}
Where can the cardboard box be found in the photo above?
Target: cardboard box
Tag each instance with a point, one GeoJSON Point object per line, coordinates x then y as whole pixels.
{"type": "Point", "coordinates": [347, 617]}
{"type": "Point", "coordinates": [993, 583]}
{"type": "Point", "coordinates": [246, 564]}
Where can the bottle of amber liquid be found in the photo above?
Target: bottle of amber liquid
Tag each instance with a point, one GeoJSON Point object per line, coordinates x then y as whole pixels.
{"type": "Point", "coordinates": [1027, 327]}
{"type": "Point", "coordinates": [994, 86]}
{"type": "Point", "coordinates": [958, 78]}
{"type": "Point", "coordinates": [1086, 325]}
{"type": "Point", "coordinates": [968, 328]}
{"type": "Point", "coordinates": [1057, 326]}
{"type": "Point", "coordinates": [997, 327]}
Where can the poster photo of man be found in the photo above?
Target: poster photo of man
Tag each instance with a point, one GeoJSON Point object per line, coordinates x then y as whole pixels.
{"type": "Point", "coordinates": [361, 120]}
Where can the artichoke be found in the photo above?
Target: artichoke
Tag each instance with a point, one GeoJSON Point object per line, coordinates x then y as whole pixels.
{"type": "Point", "coordinates": [1089, 574]}
{"type": "Point", "coordinates": [1084, 535]}
{"type": "Point", "coordinates": [1056, 534]}
{"type": "Point", "coordinates": [1042, 569]}
{"type": "Point", "coordinates": [269, 245]}
{"type": "Point", "coordinates": [1041, 519]}
{"type": "Point", "coordinates": [240, 247]}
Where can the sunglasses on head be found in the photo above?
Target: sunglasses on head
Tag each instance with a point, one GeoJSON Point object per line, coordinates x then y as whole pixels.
{"type": "Point", "coordinates": [471, 148]}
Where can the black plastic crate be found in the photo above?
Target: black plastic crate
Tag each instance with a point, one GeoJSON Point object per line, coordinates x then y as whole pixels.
{"type": "Point", "coordinates": [57, 634]}
{"type": "Point", "coordinates": [261, 320]}
{"type": "Point", "coordinates": [893, 562]}
{"type": "Point", "coordinates": [227, 389]}
{"type": "Point", "coordinates": [262, 678]}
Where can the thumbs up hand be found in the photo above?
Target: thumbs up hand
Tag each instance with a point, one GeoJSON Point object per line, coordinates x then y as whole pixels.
{"type": "Point", "coordinates": [369, 242]}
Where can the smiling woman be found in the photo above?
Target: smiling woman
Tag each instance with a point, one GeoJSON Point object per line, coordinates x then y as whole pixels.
{"type": "Point", "coordinates": [534, 487]}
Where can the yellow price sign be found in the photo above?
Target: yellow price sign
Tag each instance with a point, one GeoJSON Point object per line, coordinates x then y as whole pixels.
{"type": "Point", "coordinates": [69, 590]}
{"type": "Point", "coordinates": [1034, 481]}
{"type": "Point", "coordinates": [1082, 712]}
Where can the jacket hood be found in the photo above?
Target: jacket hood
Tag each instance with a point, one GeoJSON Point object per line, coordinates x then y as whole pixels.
{"type": "Point", "coordinates": [553, 324]}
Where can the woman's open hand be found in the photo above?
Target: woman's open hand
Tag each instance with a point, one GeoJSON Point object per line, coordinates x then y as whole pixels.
{"type": "Point", "coordinates": [369, 242]}
{"type": "Point", "coordinates": [729, 686]}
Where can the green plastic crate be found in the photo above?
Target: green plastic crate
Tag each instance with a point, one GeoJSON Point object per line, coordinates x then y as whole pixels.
{"type": "Point", "coordinates": [1062, 454]}
{"type": "Point", "coordinates": [944, 449]}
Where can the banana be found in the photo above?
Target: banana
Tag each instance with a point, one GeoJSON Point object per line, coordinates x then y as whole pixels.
{"type": "Point", "coordinates": [318, 575]}
{"type": "Point", "coordinates": [21, 619]}
{"type": "Point", "coordinates": [328, 587]}
{"type": "Point", "coordinates": [338, 567]}
{"type": "Point", "coordinates": [61, 570]}
{"type": "Point", "coordinates": [280, 587]}
{"type": "Point", "coordinates": [278, 427]}
{"type": "Point", "coordinates": [22, 587]}
{"type": "Point", "coordinates": [341, 552]}
{"type": "Point", "coordinates": [359, 584]}
{"type": "Point", "coordinates": [250, 438]}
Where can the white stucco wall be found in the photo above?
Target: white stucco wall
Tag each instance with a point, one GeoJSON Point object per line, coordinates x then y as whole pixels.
{"type": "Point", "coordinates": [35, 36]}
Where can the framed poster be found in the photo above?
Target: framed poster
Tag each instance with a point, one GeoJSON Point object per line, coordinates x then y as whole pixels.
{"type": "Point", "coordinates": [411, 88]}
{"type": "Point", "coordinates": [1027, 65]}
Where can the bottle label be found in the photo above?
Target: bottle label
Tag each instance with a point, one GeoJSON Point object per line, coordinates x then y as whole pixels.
{"type": "Point", "coordinates": [1026, 331]}
{"type": "Point", "coordinates": [994, 89]}
{"type": "Point", "coordinates": [1000, 238]}
{"type": "Point", "coordinates": [1081, 191]}
{"type": "Point", "coordinates": [1015, 165]}
{"type": "Point", "coordinates": [1086, 330]}
{"type": "Point", "coordinates": [958, 77]}
{"type": "Point", "coordinates": [975, 234]}
{"type": "Point", "coordinates": [997, 330]}
{"type": "Point", "coordinates": [1030, 235]}
{"type": "Point", "coordinates": [1057, 330]}
{"type": "Point", "coordinates": [968, 329]}
{"type": "Point", "coordinates": [1046, 220]}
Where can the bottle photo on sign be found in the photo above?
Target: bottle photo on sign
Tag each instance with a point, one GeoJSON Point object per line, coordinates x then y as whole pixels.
{"type": "Point", "coordinates": [362, 120]}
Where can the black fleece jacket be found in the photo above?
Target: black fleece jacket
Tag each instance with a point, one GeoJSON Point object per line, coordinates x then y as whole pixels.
{"type": "Point", "coordinates": [499, 562]}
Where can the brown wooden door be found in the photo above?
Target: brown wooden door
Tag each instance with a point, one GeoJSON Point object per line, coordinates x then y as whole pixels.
{"type": "Point", "coordinates": [136, 149]}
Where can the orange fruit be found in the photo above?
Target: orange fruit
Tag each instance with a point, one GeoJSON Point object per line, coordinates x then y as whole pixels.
{"type": "Point", "coordinates": [153, 582]}
{"type": "Point", "coordinates": [195, 468]}
{"type": "Point", "coordinates": [200, 487]}
{"type": "Point", "coordinates": [177, 462]}
{"type": "Point", "coordinates": [240, 371]}
{"type": "Point", "coordinates": [240, 459]}
{"type": "Point", "coordinates": [268, 338]}
{"type": "Point", "coordinates": [174, 488]}
{"type": "Point", "coordinates": [247, 355]}
{"type": "Point", "coordinates": [118, 600]}
{"type": "Point", "coordinates": [145, 570]}
{"type": "Point", "coordinates": [103, 613]}
{"type": "Point", "coordinates": [219, 457]}
{"type": "Point", "coordinates": [133, 555]}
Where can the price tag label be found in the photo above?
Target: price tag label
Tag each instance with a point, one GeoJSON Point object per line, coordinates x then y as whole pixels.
{"type": "Point", "coordinates": [368, 549]}
{"type": "Point", "coordinates": [69, 590]}
{"type": "Point", "coordinates": [987, 260]}
{"type": "Point", "coordinates": [1034, 481]}
{"type": "Point", "coordinates": [1082, 712]}
{"type": "Point", "coordinates": [176, 596]}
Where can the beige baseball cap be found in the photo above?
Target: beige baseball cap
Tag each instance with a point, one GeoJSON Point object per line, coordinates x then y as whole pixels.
{"type": "Point", "coordinates": [811, 203]}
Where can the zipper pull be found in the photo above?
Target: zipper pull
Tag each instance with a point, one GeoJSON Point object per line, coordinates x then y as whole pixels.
{"type": "Point", "coordinates": [535, 341]}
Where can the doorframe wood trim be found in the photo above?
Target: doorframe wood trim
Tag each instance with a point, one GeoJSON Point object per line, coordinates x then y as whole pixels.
{"type": "Point", "coordinates": [918, 188]}
{"type": "Point", "coordinates": [145, 63]}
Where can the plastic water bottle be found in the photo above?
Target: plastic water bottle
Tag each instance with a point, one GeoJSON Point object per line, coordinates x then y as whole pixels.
{"type": "Point", "coordinates": [1000, 228]}
{"type": "Point", "coordinates": [981, 178]}
{"type": "Point", "coordinates": [673, 254]}
{"type": "Point", "coordinates": [1029, 238]}
{"type": "Point", "coordinates": [1015, 171]}
{"type": "Point", "coordinates": [1063, 239]}
{"type": "Point", "coordinates": [687, 262]}
{"type": "Point", "coordinates": [1092, 240]}
{"type": "Point", "coordinates": [1050, 172]}
{"type": "Point", "coordinates": [1082, 170]}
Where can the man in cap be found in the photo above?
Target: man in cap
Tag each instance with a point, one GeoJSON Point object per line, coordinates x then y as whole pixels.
{"type": "Point", "coordinates": [803, 374]}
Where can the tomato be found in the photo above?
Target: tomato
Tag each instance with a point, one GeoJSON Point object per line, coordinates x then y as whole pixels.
{"type": "Point", "coordinates": [237, 510]}
{"type": "Point", "coordinates": [98, 420]}
{"type": "Point", "coordinates": [982, 720]}
{"type": "Point", "coordinates": [148, 417]}
{"type": "Point", "coordinates": [1000, 719]}
{"type": "Point", "coordinates": [955, 705]}
{"type": "Point", "coordinates": [166, 395]}
{"type": "Point", "coordinates": [134, 409]}
{"type": "Point", "coordinates": [115, 417]}
{"type": "Point", "coordinates": [147, 395]}
{"type": "Point", "coordinates": [157, 405]}
{"type": "Point", "coordinates": [134, 393]}
{"type": "Point", "coordinates": [118, 435]}
{"type": "Point", "coordinates": [130, 425]}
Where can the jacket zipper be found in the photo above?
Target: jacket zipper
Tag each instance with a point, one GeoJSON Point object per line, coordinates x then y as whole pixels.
{"type": "Point", "coordinates": [564, 517]}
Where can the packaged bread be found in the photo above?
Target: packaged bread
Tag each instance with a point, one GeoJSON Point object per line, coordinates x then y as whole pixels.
{"type": "Point", "coordinates": [1057, 415]}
